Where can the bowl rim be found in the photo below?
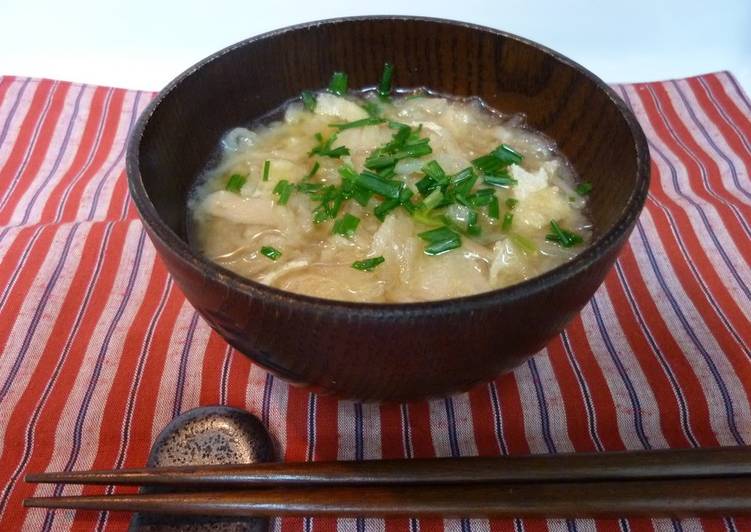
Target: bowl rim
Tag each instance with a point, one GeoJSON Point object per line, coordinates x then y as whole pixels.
{"type": "Point", "coordinates": [509, 294]}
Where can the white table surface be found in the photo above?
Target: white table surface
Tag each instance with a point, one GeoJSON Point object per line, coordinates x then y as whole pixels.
{"type": "Point", "coordinates": [143, 44]}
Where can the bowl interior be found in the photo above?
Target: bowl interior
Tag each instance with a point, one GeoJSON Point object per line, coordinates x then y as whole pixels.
{"type": "Point", "coordinates": [244, 82]}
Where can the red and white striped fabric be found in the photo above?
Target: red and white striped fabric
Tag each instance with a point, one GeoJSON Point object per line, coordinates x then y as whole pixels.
{"type": "Point", "coordinates": [100, 349]}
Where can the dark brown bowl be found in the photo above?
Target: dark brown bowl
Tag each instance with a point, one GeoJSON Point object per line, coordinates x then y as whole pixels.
{"type": "Point", "coordinates": [388, 351]}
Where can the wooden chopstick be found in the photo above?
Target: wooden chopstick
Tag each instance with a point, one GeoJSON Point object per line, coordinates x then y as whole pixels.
{"type": "Point", "coordinates": [632, 465]}
{"type": "Point", "coordinates": [655, 498]}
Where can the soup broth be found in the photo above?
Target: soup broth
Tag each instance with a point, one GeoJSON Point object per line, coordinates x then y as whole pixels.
{"type": "Point", "coordinates": [409, 198]}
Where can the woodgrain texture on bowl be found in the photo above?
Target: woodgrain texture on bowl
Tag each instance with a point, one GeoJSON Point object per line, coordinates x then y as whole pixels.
{"type": "Point", "coordinates": [394, 352]}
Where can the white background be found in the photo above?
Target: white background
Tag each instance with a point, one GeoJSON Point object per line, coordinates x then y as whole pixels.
{"type": "Point", "coordinates": [143, 44]}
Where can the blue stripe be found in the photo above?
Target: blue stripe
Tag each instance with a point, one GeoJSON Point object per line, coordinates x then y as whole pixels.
{"type": "Point", "coordinates": [721, 109]}
{"type": "Point", "coordinates": [730, 414]}
{"type": "Point", "coordinates": [497, 418]}
{"type": "Point", "coordinates": [225, 375]}
{"type": "Point", "coordinates": [541, 405]}
{"type": "Point", "coordinates": [29, 433]}
{"type": "Point", "coordinates": [56, 164]}
{"type": "Point", "coordinates": [591, 414]}
{"type": "Point", "coordinates": [78, 428]}
{"type": "Point", "coordinates": [707, 225]}
{"type": "Point", "coordinates": [13, 110]}
{"type": "Point", "coordinates": [11, 187]}
{"type": "Point", "coordinates": [177, 405]}
{"type": "Point", "coordinates": [682, 407]}
{"type": "Point", "coordinates": [623, 373]}
{"type": "Point", "coordinates": [710, 140]}
{"type": "Point", "coordinates": [266, 402]}
{"type": "Point", "coordinates": [38, 313]}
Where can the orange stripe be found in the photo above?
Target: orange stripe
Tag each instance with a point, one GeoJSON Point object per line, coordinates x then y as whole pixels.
{"type": "Point", "coordinates": [44, 433]}
{"type": "Point", "coordinates": [93, 172]}
{"type": "Point", "coordinates": [29, 123]}
{"type": "Point", "coordinates": [86, 142]}
{"type": "Point", "coordinates": [703, 263]}
{"type": "Point", "coordinates": [696, 401]}
{"type": "Point", "coordinates": [38, 153]}
{"type": "Point", "coordinates": [712, 169]}
{"type": "Point", "coordinates": [606, 416]}
{"type": "Point", "coordinates": [729, 135]}
{"type": "Point", "coordinates": [573, 401]}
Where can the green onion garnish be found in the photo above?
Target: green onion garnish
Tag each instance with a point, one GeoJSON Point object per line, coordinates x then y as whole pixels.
{"type": "Point", "coordinates": [370, 121]}
{"type": "Point", "coordinates": [338, 83]}
{"type": "Point", "coordinates": [433, 199]}
{"type": "Point", "coordinates": [368, 264]}
{"type": "Point", "coordinates": [434, 171]}
{"type": "Point", "coordinates": [499, 180]}
{"type": "Point", "coordinates": [235, 183]}
{"type": "Point", "coordinates": [508, 219]}
{"type": "Point", "coordinates": [493, 209]}
{"type": "Point", "coordinates": [562, 236]}
{"type": "Point", "coordinates": [346, 225]}
{"type": "Point", "coordinates": [384, 187]}
{"type": "Point", "coordinates": [464, 181]}
{"type": "Point", "coordinates": [309, 101]}
{"type": "Point", "coordinates": [271, 253]}
{"type": "Point", "coordinates": [511, 203]}
{"type": "Point", "coordinates": [324, 148]}
{"type": "Point", "coordinates": [440, 240]}
{"type": "Point", "coordinates": [384, 87]}
{"type": "Point", "coordinates": [372, 109]}
{"type": "Point", "coordinates": [385, 207]}
{"type": "Point", "coordinates": [507, 154]}
{"type": "Point", "coordinates": [584, 188]}
{"type": "Point", "coordinates": [266, 168]}
{"type": "Point", "coordinates": [313, 171]}
{"type": "Point", "coordinates": [284, 189]}
{"type": "Point", "coordinates": [522, 243]}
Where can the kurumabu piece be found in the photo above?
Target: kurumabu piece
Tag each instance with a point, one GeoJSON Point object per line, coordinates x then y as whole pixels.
{"type": "Point", "coordinates": [389, 199]}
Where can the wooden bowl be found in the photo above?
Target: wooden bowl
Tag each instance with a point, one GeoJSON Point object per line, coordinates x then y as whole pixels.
{"type": "Point", "coordinates": [388, 351]}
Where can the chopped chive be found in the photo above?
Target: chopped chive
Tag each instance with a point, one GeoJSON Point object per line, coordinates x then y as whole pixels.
{"type": "Point", "coordinates": [507, 154]}
{"type": "Point", "coordinates": [266, 168]}
{"type": "Point", "coordinates": [584, 188]}
{"type": "Point", "coordinates": [379, 161]}
{"type": "Point", "coordinates": [372, 108]}
{"type": "Point", "coordinates": [346, 225]}
{"type": "Point", "coordinates": [416, 149]}
{"type": "Point", "coordinates": [271, 253]}
{"type": "Point", "coordinates": [370, 121]}
{"type": "Point", "coordinates": [313, 170]}
{"type": "Point", "coordinates": [433, 199]}
{"type": "Point", "coordinates": [522, 243]}
{"type": "Point", "coordinates": [324, 148]}
{"type": "Point", "coordinates": [338, 83]}
{"type": "Point", "coordinates": [434, 170]}
{"type": "Point", "coordinates": [499, 180]}
{"type": "Point", "coordinates": [384, 87]}
{"type": "Point", "coordinates": [426, 185]}
{"type": "Point", "coordinates": [385, 207]}
{"type": "Point", "coordinates": [488, 164]}
{"type": "Point", "coordinates": [440, 240]}
{"type": "Point", "coordinates": [464, 181]}
{"type": "Point", "coordinates": [493, 209]}
{"type": "Point", "coordinates": [508, 219]}
{"type": "Point", "coordinates": [511, 203]}
{"type": "Point", "coordinates": [383, 187]}
{"type": "Point", "coordinates": [235, 183]}
{"type": "Point", "coordinates": [562, 236]}
{"type": "Point", "coordinates": [309, 101]}
{"type": "Point", "coordinates": [284, 189]}
{"type": "Point", "coordinates": [368, 264]}
{"type": "Point", "coordinates": [309, 188]}
{"type": "Point", "coordinates": [426, 218]}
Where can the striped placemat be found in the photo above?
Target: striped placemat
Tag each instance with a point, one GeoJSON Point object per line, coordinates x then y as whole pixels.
{"type": "Point", "coordinates": [100, 349]}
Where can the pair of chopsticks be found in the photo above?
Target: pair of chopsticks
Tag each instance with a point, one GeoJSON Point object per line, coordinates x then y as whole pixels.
{"type": "Point", "coordinates": [644, 483]}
